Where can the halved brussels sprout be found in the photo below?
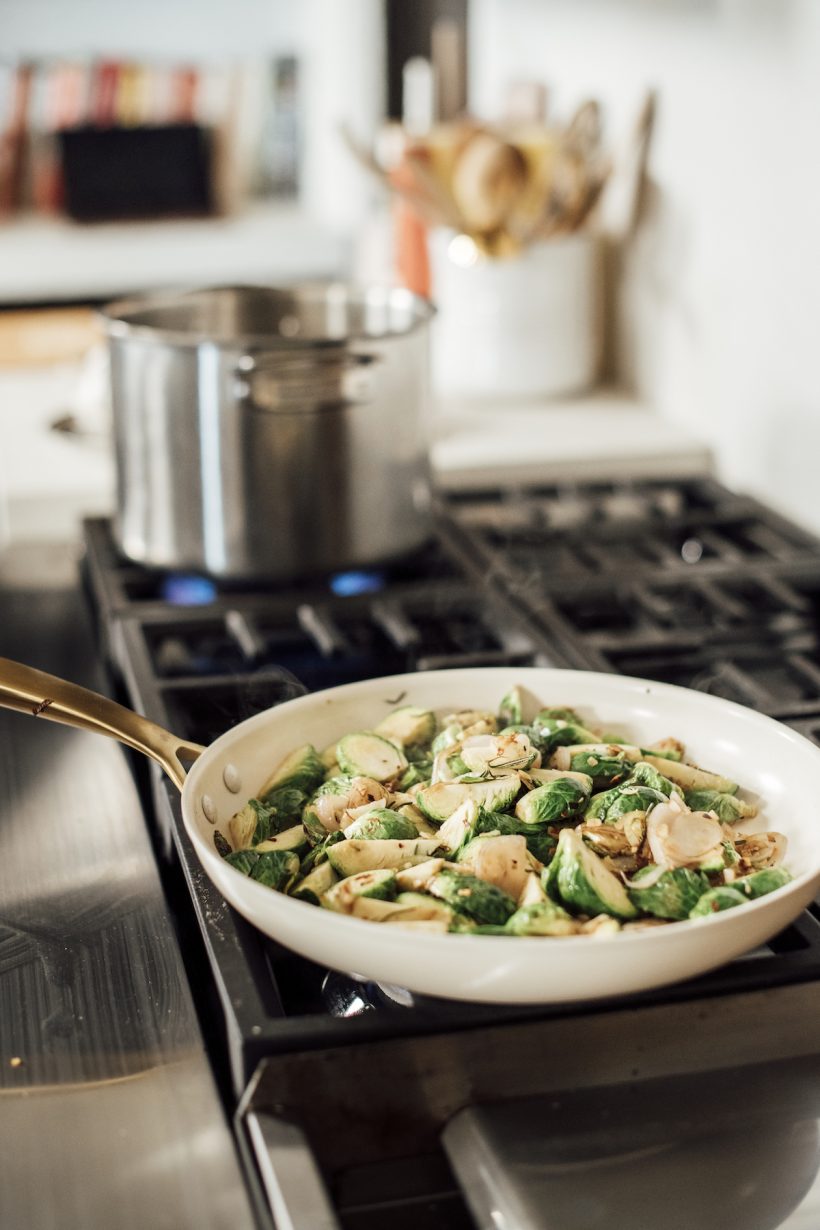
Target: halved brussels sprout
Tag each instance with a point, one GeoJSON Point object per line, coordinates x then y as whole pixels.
{"type": "Point", "coordinates": [315, 884]}
{"type": "Point", "coordinates": [469, 895]}
{"type": "Point", "coordinates": [579, 880]}
{"type": "Point", "coordinates": [717, 899]}
{"type": "Point", "coordinates": [295, 839]}
{"type": "Point", "coordinates": [503, 860]}
{"type": "Point", "coordinates": [511, 709]}
{"type": "Point", "coordinates": [759, 883]}
{"type": "Point", "coordinates": [690, 777]}
{"type": "Point", "coordinates": [541, 918]}
{"type": "Point", "coordinates": [408, 726]}
{"type": "Point", "coordinates": [439, 801]}
{"type": "Point", "coordinates": [349, 857]}
{"type": "Point", "coordinates": [563, 798]}
{"type": "Point", "coordinates": [276, 868]}
{"type": "Point", "coordinates": [380, 884]}
{"type": "Point", "coordinates": [606, 763]}
{"type": "Point", "coordinates": [301, 769]}
{"type": "Point", "coordinates": [366, 754]}
{"type": "Point", "coordinates": [667, 894]}
{"type": "Point", "coordinates": [381, 824]}
{"type": "Point", "coordinates": [727, 807]}
{"type": "Point", "coordinates": [610, 805]}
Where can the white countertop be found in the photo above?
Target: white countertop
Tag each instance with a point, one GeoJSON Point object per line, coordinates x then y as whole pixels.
{"type": "Point", "coordinates": [604, 434]}
{"type": "Point", "coordinates": [50, 479]}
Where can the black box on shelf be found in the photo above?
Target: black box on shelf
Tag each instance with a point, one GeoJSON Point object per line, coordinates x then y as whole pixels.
{"type": "Point", "coordinates": [136, 172]}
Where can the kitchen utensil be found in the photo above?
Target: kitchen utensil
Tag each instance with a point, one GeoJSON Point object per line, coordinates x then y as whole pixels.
{"type": "Point", "coordinates": [271, 433]}
{"type": "Point", "coordinates": [772, 761]}
{"type": "Point", "coordinates": [489, 178]}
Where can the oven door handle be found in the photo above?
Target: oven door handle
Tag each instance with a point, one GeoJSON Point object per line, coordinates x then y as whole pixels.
{"type": "Point", "coordinates": [293, 1185]}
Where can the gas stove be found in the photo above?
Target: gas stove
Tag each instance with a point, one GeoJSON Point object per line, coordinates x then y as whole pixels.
{"type": "Point", "coordinates": [676, 580]}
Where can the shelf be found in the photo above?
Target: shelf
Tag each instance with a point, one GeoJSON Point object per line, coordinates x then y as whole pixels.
{"type": "Point", "coordinates": [47, 260]}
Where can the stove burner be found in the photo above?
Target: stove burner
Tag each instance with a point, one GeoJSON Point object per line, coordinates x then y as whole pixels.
{"type": "Point", "coordinates": [184, 589]}
{"type": "Point", "coordinates": [346, 584]}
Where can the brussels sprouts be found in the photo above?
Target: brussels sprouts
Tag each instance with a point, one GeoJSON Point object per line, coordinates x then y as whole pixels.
{"type": "Point", "coordinates": [408, 727]}
{"type": "Point", "coordinates": [630, 796]}
{"type": "Point", "coordinates": [579, 880]}
{"type": "Point", "coordinates": [349, 857]}
{"type": "Point", "coordinates": [500, 860]}
{"type": "Point", "coordinates": [716, 899]}
{"type": "Point", "coordinates": [416, 878]}
{"type": "Point", "coordinates": [380, 884]}
{"type": "Point", "coordinates": [244, 825]}
{"type": "Point", "coordinates": [665, 749]}
{"type": "Point", "coordinates": [670, 894]}
{"type": "Point", "coordinates": [647, 775]}
{"type": "Point", "coordinates": [561, 799]}
{"type": "Point", "coordinates": [540, 842]}
{"type": "Point", "coordinates": [318, 854]}
{"type": "Point", "coordinates": [541, 918]}
{"type": "Point", "coordinates": [550, 733]}
{"type": "Point", "coordinates": [276, 869]}
{"type": "Point", "coordinates": [366, 754]}
{"type": "Point", "coordinates": [562, 714]}
{"type": "Point", "coordinates": [326, 808]}
{"type": "Point", "coordinates": [302, 769]}
{"type": "Point", "coordinates": [439, 801]}
{"type": "Point", "coordinates": [417, 818]}
{"type": "Point", "coordinates": [727, 807]}
{"type": "Point", "coordinates": [381, 823]}
{"type": "Point", "coordinates": [315, 884]}
{"type": "Point", "coordinates": [533, 892]}
{"type": "Point", "coordinates": [511, 709]}
{"type": "Point", "coordinates": [459, 827]}
{"type": "Point", "coordinates": [606, 763]}
{"type": "Point", "coordinates": [291, 839]}
{"type": "Point", "coordinates": [420, 907]}
{"type": "Point", "coordinates": [469, 895]}
{"type": "Point", "coordinates": [690, 777]}
{"type": "Point", "coordinates": [759, 883]}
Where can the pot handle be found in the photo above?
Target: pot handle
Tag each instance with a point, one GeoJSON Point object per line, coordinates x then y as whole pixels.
{"type": "Point", "coordinates": [42, 695]}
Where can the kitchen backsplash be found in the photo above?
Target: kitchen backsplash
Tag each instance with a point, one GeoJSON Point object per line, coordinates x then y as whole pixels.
{"type": "Point", "coordinates": [718, 293]}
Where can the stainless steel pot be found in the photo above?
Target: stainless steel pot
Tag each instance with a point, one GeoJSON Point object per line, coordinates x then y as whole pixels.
{"type": "Point", "coordinates": [270, 433]}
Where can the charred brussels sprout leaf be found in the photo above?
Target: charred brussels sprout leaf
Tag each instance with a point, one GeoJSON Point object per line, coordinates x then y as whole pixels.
{"type": "Point", "coordinates": [222, 847]}
{"type": "Point", "coordinates": [285, 807]}
{"type": "Point", "coordinates": [716, 900]}
{"type": "Point", "coordinates": [275, 868]}
{"type": "Point", "coordinates": [673, 894]}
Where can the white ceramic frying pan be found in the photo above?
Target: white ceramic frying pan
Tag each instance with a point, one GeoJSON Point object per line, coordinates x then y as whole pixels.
{"type": "Point", "coordinates": [776, 767]}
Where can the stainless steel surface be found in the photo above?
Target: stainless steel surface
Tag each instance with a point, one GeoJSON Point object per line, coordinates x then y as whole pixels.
{"type": "Point", "coordinates": [110, 1116]}
{"type": "Point", "coordinates": [271, 433]}
{"type": "Point", "coordinates": [736, 1150]}
{"type": "Point", "coordinates": [294, 1188]}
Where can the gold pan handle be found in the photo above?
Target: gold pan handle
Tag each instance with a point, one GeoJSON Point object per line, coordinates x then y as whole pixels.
{"type": "Point", "coordinates": [42, 695]}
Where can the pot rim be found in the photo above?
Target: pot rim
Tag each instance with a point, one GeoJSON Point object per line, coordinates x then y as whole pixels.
{"type": "Point", "coordinates": [114, 315]}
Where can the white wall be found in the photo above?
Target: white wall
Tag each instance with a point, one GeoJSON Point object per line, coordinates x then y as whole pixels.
{"type": "Point", "coordinates": [719, 323]}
